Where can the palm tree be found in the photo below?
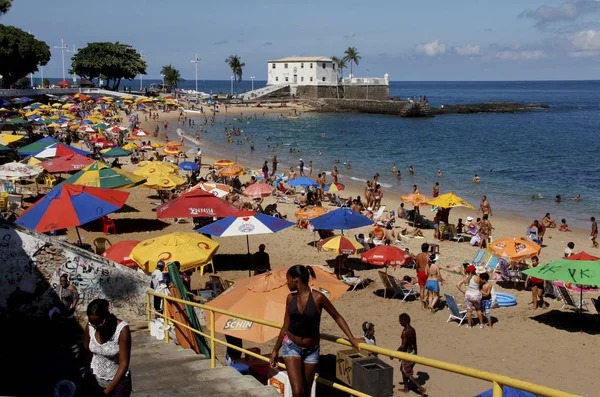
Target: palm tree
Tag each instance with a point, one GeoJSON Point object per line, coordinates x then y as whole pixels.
{"type": "Point", "coordinates": [351, 55]}
{"type": "Point", "coordinates": [171, 75]}
{"type": "Point", "coordinates": [340, 63]}
{"type": "Point", "coordinates": [236, 65]}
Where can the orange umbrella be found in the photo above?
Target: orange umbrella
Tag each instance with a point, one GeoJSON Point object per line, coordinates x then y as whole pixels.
{"type": "Point", "coordinates": [264, 297]}
{"type": "Point", "coordinates": [415, 199]}
{"type": "Point", "coordinates": [232, 170]}
{"type": "Point", "coordinates": [133, 138]}
{"type": "Point", "coordinates": [223, 163]}
{"type": "Point", "coordinates": [171, 150]}
{"type": "Point", "coordinates": [173, 143]}
{"type": "Point", "coordinates": [310, 212]}
{"type": "Point", "coordinates": [515, 248]}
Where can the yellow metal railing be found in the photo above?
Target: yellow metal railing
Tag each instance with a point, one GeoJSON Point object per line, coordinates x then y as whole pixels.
{"type": "Point", "coordinates": [498, 381]}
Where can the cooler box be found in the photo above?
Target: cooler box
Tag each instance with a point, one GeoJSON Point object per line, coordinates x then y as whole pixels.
{"type": "Point", "coordinates": [345, 363]}
{"type": "Point", "coordinates": [279, 381]}
{"type": "Point", "coordinates": [373, 377]}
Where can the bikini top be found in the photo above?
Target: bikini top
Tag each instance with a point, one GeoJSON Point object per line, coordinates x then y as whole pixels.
{"type": "Point", "coordinates": [306, 324]}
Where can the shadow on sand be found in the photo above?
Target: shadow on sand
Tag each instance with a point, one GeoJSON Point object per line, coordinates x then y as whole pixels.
{"type": "Point", "coordinates": [129, 225]}
{"type": "Point", "coordinates": [570, 321]}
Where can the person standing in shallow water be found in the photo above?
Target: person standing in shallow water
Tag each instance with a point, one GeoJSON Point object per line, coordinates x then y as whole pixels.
{"type": "Point", "coordinates": [300, 334]}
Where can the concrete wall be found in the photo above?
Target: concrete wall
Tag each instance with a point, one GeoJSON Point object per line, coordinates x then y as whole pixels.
{"type": "Point", "coordinates": [377, 92]}
{"type": "Point", "coordinates": [315, 92]}
{"type": "Point", "coordinates": [33, 263]}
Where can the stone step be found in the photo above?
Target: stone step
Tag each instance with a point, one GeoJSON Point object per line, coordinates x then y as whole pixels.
{"type": "Point", "coordinates": [179, 386]}
{"type": "Point", "coordinates": [180, 373]}
{"type": "Point", "coordinates": [264, 391]}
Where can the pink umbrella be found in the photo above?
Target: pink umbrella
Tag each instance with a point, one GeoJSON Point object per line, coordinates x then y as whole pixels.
{"type": "Point", "coordinates": [259, 190]}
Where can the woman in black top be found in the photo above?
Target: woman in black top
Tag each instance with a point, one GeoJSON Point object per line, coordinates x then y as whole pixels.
{"type": "Point", "coordinates": [300, 334]}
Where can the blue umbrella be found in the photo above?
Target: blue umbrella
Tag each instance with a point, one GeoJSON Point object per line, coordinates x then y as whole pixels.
{"type": "Point", "coordinates": [245, 224]}
{"type": "Point", "coordinates": [4, 102]}
{"type": "Point", "coordinates": [189, 166]}
{"type": "Point", "coordinates": [303, 182]}
{"type": "Point", "coordinates": [340, 219]}
{"type": "Point", "coordinates": [87, 122]}
{"type": "Point", "coordinates": [36, 146]}
{"type": "Point", "coordinates": [508, 392]}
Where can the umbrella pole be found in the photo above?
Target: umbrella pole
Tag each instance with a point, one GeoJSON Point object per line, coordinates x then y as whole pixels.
{"type": "Point", "coordinates": [78, 235]}
{"type": "Point", "coordinates": [248, 246]}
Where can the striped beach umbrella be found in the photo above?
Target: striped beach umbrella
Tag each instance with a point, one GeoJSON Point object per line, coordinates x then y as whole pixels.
{"type": "Point", "coordinates": [99, 174]}
{"type": "Point", "coordinates": [333, 187]}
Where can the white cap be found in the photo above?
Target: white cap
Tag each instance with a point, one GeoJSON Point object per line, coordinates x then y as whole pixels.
{"type": "Point", "coordinates": [469, 219]}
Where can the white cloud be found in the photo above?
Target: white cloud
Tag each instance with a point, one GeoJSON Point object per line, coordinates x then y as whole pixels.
{"type": "Point", "coordinates": [431, 49]}
{"type": "Point", "coordinates": [468, 50]}
{"type": "Point", "coordinates": [582, 54]}
{"type": "Point", "coordinates": [526, 55]}
{"type": "Point", "coordinates": [588, 40]}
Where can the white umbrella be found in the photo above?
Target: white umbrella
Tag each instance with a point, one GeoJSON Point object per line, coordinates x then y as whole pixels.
{"type": "Point", "coordinates": [16, 170]}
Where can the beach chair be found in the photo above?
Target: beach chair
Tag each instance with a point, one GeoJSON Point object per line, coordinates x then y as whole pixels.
{"type": "Point", "coordinates": [100, 245]}
{"type": "Point", "coordinates": [455, 236]}
{"type": "Point", "coordinates": [378, 214]}
{"type": "Point", "coordinates": [396, 287]}
{"type": "Point", "coordinates": [223, 284]}
{"type": "Point", "coordinates": [479, 257]}
{"type": "Point", "coordinates": [354, 282]}
{"type": "Point", "coordinates": [455, 312]}
{"type": "Point", "coordinates": [492, 263]}
{"type": "Point", "coordinates": [568, 300]}
{"type": "Point", "coordinates": [203, 268]}
{"type": "Point", "coordinates": [508, 275]}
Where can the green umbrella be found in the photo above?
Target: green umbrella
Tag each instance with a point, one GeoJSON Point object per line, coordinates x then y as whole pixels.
{"type": "Point", "coordinates": [580, 272]}
{"type": "Point", "coordinates": [117, 151]}
{"type": "Point", "coordinates": [100, 126]}
{"type": "Point", "coordinates": [17, 121]}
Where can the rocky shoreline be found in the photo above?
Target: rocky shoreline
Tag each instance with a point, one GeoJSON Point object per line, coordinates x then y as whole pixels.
{"type": "Point", "coordinates": [488, 107]}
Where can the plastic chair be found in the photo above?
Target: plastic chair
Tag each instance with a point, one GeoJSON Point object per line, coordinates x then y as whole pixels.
{"type": "Point", "coordinates": [50, 180]}
{"type": "Point", "coordinates": [108, 225]}
{"type": "Point", "coordinates": [100, 244]}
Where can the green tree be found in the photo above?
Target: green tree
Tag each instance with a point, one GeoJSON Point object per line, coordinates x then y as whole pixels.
{"type": "Point", "coordinates": [20, 54]}
{"type": "Point", "coordinates": [236, 65]}
{"type": "Point", "coordinates": [112, 61]}
{"type": "Point", "coordinates": [351, 55]}
{"type": "Point", "coordinates": [171, 75]}
{"type": "Point", "coordinates": [45, 83]}
{"type": "Point", "coordinates": [4, 6]}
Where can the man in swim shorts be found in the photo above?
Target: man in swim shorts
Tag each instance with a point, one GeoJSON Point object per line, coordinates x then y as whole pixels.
{"type": "Point", "coordinates": [422, 267]}
{"type": "Point", "coordinates": [409, 345]}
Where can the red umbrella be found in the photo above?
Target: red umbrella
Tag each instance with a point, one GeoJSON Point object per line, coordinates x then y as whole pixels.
{"type": "Point", "coordinates": [195, 204]}
{"type": "Point", "coordinates": [116, 129]}
{"type": "Point", "coordinates": [259, 190]}
{"type": "Point", "coordinates": [582, 256]}
{"type": "Point", "coordinates": [64, 83]}
{"type": "Point", "coordinates": [72, 162]}
{"type": "Point", "coordinates": [386, 255]}
{"type": "Point", "coordinates": [120, 253]}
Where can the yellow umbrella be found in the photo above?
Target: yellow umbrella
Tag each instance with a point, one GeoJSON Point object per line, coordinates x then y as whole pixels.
{"type": "Point", "coordinates": [4, 110]}
{"type": "Point", "coordinates": [163, 181]}
{"type": "Point", "coordinates": [149, 168]}
{"type": "Point", "coordinates": [157, 145]}
{"type": "Point", "coordinates": [310, 212]}
{"type": "Point", "coordinates": [33, 112]}
{"type": "Point", "coordinates": [449, 200]}
{"type": "Point", "coordinates": [341, 245]}
{"type": "Point", "coordinates": [56, 105]}
{"type": "Point", "coordinates": [232, 170]}
{"type": "Point", "coordinates": [54, 125]}
{"type": "Point", "coordinates": [6, 139]}
{"type": "Point", "coordinates": [189, 249]}
{"type": "Point", "coordinates": [130, 146]}
{"type": "Point", "coordinates": [171, 150]}
{"type": "Point", "coordinates": [31, 161]}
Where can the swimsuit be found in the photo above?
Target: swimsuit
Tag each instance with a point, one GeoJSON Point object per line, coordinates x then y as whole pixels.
{"type": "Point", "coordinates": [422, 277]}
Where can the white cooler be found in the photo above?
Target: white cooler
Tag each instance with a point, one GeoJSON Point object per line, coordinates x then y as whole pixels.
{"type": "Point", "coordinates": [279, 381]}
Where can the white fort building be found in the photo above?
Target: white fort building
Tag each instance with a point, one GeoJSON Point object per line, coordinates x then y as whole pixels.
{"type": "Point", "coordinates": [318, 77]}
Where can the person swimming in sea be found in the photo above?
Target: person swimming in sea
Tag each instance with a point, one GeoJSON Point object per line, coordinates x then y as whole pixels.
{"type": "Point", "coordinates": [476, 179]}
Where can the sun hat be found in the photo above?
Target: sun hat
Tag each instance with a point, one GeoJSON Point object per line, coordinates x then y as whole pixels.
{"type": "Point", "coordinates": [480, 269]}
{"type": "Point", "coordinates": [469, 219]}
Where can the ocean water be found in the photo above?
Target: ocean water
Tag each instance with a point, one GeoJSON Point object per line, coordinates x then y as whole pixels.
{"type": "Point", "coordinates": [542, 153]}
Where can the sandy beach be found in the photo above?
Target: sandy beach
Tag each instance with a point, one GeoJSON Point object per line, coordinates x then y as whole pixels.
{"type": "Point", "coordinates": [540, 346]}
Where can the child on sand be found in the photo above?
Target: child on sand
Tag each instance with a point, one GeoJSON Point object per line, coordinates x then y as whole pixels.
{"type": "Point", "coordinates": [563, 226]}
{"type": "Point", "coordinates": [594, 234]}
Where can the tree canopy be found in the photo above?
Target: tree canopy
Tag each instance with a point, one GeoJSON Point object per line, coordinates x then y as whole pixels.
{"type": "Point", "coordinates": [4, 6]}
{"type": "Point", "coordinates": [352, 56]}
{"type": "Point", "coordinates": [20, 54]}
{"type": "Point", "coordinates": [236, 65]}
{"type": "Point", "coordinates": [171, 75]}
{"type": "Point", "coordinates": [111, 61]}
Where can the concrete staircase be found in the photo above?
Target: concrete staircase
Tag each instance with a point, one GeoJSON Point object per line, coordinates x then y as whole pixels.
{"type": "Point", "coordinates": [161, 369]}
{"type": "Point", "coordinates": [262, 92]}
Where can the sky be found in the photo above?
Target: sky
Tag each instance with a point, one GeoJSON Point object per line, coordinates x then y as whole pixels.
{"type": "Point", "coordinates": [435, 40]}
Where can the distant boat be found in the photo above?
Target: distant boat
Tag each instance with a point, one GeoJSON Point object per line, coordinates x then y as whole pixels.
{"type": "Point", "coordinates": [293, 117]}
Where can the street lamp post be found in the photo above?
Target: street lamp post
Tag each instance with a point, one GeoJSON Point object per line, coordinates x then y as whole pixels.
{"type": "Point", "coordinates": [196, 61]}
{"type": "Point", "coordinates": [74, 52]}
{"type": "Point", "coordinates": [163, 82]}
{"type": "Point", "coordinates": [231, 85]}
{"type": "Point", "coordinates": [252, 78]}
{"type": "Point", "coordinates": [62, 48]}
